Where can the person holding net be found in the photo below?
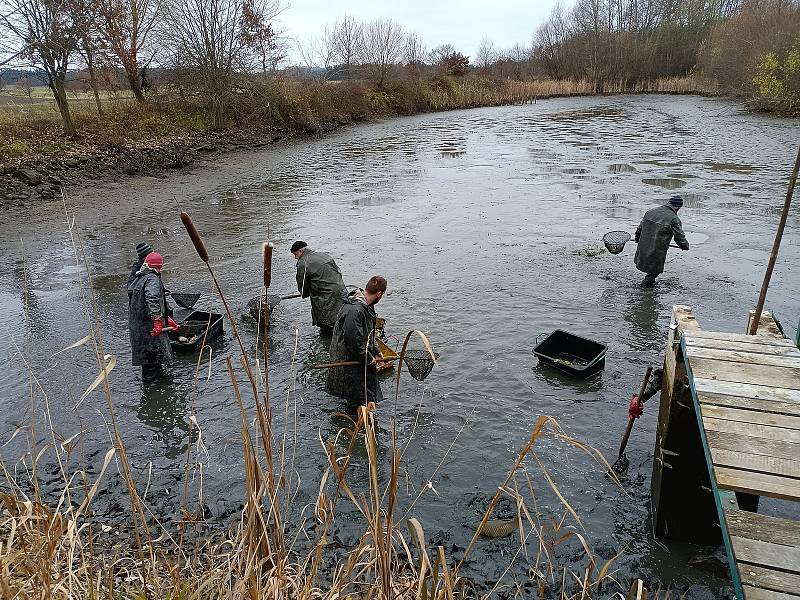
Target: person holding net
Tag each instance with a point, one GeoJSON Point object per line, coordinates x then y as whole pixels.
{"type": "Point", "coordinates": [319, 277]}
{"type": "Point", "coordinates": [653, 237]}
{"type": "Point", "coordinates": [354, 341]}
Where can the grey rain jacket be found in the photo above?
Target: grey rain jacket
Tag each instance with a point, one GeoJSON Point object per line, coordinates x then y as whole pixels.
{"type": "Point", "coordinates": [146, 301]}
{"type": "Point", "coordinates": [354, 339]}
{"type": "Point", "coordinates": [319, 277]}
{"type": "Point", "coordinates": [653, 235]}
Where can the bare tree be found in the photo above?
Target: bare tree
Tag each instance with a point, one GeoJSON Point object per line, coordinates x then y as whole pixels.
{"type": "Point", "coordinates": [260, 35]}
{"type": "Point", "coordinates": [486, 54]}
{"type": "Point", "coordinates": [204, 39]}
{"type": "Point", "coordinates": [347, 40]}
{"type": "Point", "coordinates": [415, 50]}
{"type": "Point", "coordinates": [383, 46]}
{"type": "Point", "coordinates": [89, 50]}
{"type": "Point", "coordinates": [25, 83]}
{"type": "Point", "coordinates": [126, 26]}
{"type": "Point", "coordinates": [318, 53]}
{"type": "Point", "coordinates": [439, 53]}
{"type": "Point", "coordinates": [49, 31]}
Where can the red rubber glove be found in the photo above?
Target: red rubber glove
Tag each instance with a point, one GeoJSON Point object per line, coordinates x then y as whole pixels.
{"type": "Point", "coordinates": [158, 327]}
{"type": "Point", "coordinates": [636, 409]}
{"type": "Point", "coordinates": [172, 324]}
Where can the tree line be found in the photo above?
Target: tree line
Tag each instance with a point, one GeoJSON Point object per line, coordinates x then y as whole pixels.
{"type": "Point", "coordinates": [215, 49]}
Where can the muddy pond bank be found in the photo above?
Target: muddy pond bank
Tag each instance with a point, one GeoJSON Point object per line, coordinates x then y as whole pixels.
{"type": "Point", "coordinates": [487, 224]}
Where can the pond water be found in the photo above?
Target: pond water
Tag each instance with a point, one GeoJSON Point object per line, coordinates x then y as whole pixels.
{"type": "Point", "coordinates": [487, 224]}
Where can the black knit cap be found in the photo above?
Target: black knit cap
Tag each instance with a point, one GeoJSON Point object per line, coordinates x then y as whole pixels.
{"type": "Point", "coordinates": [298, 245]}
{"type": "Point", "coordinates": [143, 249]}
{"type": "Point", "coordinates": [676, 201]}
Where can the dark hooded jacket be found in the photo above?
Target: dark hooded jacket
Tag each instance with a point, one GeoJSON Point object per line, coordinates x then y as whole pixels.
{"type": "Point", "coordinates": [147, 301]}
{"type": "Point", "coordinates": [134, 270]}
{"type": "Point", "coordinates": [653, 235]}
{"type": "Point", "coordinates": [354, 340]}
{"type": "Point", "coordinates": [319, 277]}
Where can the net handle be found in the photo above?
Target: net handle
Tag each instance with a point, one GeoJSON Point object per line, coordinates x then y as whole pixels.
{"type": "Point", "coordinates": [352, 363]}
{"type": "Point", "coordinates": [630, 239]}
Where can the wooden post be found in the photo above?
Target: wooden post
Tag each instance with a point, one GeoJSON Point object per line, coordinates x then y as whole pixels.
{"type": "Point", "coordinates": [776, 245]}
{"type": "Point", "coordinates": [797, 337]}
{"type": "Point", "coordinates": [682, 500]}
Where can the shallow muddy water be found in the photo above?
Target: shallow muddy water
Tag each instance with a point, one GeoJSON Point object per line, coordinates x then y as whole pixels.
{"type": "Point", "coordinates": [487, 224]}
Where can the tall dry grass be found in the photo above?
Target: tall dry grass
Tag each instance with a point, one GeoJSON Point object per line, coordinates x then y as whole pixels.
{"type": "Point", "coordinates": [53, 548]}
{"type": "Point", "coordinates": [305, 106]}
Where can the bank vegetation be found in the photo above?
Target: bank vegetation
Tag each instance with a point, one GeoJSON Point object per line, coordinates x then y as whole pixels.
{"type": "Point", "coordinates": [119, 72]}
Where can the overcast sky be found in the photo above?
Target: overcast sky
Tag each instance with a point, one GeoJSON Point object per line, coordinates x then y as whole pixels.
{"type": "Point", "coordinates": [462, 23]}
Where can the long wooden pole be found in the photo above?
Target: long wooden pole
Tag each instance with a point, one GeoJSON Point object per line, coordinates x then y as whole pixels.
{"type": "Point", "coordinates": [775, 247]}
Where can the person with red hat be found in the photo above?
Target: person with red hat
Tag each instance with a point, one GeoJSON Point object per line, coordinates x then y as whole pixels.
{"type": "Point", "coordinates": [148, 319]}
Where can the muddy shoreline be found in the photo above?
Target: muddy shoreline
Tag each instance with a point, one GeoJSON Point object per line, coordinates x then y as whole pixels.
{"type": "Point", "coordinates": [27, 181]}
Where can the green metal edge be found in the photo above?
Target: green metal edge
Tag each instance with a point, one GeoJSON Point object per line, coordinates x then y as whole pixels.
{"type": "Point", "coordinates": [719, 495]}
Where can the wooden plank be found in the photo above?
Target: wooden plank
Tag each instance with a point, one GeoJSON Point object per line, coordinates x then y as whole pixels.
{"type": "Point", "coordinates": [768, 406]}
{"type": "Point", "coordinates": [769, 579]}
{"type": "Point", "coordinates": [738, 337]}
{"type": "Point", "coordinates": [759, 484]}
{"type": "Point", "coordinates": [777, 434]}
{"type": "Point", "coordinates": [745, 390]}
{"type": "Point", "coordinates": [721, 370]}
{"type": "Point", "coordinates": [752, 593]}
{"type": "Point", "coordinates": [750, 416]}
{"type": "Point", "coordinates": [753, 358]}
{"type": "Point", "coordinates": [762, 527]}
{"type": "Point", "coordinates": [780, 350]}
{"type": "Point", "coordinates": [753, 445]}
{"type": "Point", "coordinates": [771, 556]}
{"type": "Point", "coordinates": [774, 465]}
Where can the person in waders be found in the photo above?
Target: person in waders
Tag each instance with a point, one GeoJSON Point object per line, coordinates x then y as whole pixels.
{"type": "Point", "coordinates": [653, 236]}
{"type": "Point", "coordinates": [354, 340]}
{"type": "Point", "coordinates": [320, 278]}
{"type": "Point", "coordinates": [142, 250]}
{"type": "Point", "coordinates": [148, 320]}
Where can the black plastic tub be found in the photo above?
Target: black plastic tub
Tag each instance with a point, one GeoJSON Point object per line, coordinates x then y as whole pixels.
{"type": "Point", "coordinates": [573, 354]}
{"type": "Point", "coordinates": [193, 329]}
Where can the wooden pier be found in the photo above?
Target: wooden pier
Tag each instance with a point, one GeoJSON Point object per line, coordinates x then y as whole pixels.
{"type": "Point", "coordinates": [728, 434]}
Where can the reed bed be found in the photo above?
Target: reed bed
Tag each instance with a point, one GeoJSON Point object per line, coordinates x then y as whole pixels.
{"type": "Point", "coordinates": [305, 106]}
{"type": "Point", "coordinates": [53, 548]}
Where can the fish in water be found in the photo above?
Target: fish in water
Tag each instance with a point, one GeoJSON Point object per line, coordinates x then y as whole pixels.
{"type": "Point", "coordinates": [498, 528]}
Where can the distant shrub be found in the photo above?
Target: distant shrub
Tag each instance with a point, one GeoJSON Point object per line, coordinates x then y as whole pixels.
{"type": "Point", "coordinates": [777, 81]}
{"type": "Point", "coordinates": [15, 149]}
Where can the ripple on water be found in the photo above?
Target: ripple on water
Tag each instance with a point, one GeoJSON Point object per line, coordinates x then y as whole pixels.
{"type": "Point", "coordinates": [621, 168]}
{"type": "Point", "coordinates": [665, 182]}
{"type": "Point", "coordinates": [373, 201]}
{"type": "Point", "coordinates": [521, 180]}
{"type": "Point", "coordinates": [731, 167]}
{"type": "Point", "coordinates": [600, 112]}
{"type": "Point", "coordinates": [754, 254]}
{"type": "Point", "coordinates": [694, 200]}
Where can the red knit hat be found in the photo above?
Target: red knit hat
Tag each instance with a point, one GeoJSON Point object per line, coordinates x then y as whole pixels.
{"type": "Point", "coordinates": [154, 260]}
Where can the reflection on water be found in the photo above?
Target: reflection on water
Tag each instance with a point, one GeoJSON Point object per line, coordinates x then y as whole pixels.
{"type": "Point", "coordinates": [164, 412]}
{"type": "Point", "coordinates": [665, 182]}
{"type": "Point", "coordinates": [643, 312]}
{"type": "Point", "coordinates": [482, 252]}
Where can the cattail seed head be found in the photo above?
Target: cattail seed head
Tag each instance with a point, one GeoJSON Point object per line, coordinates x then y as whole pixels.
{"type": "Point", "coordinates": [267, 264]}
{"type": "Point", "coordinates": [195, 237]}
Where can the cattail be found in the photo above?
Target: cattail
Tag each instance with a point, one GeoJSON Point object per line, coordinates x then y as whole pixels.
{"type": "Point", "coordinates": [267, 264]}
{"type": "Point", "coordinates": [195, 236]}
